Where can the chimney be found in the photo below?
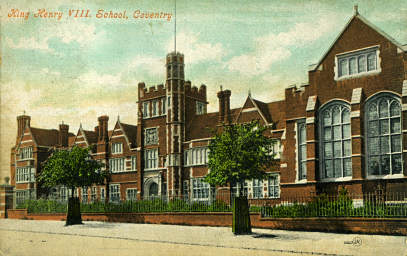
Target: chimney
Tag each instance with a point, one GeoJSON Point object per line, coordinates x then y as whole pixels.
{"type": "Point", "coordinates": [63, 135]}
{"type": "Point", "coordinates": [226, 100]}
{"type": "Point", "coordinates": [221, 97]}
{"type": "Point", "coordinates": [22, 122]}
{"type": "Point", "coordinates": [102, 134]}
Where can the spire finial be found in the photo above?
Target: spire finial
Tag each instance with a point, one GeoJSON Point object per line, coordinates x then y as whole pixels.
{"type": "Point", "coordinates": [80, 125]}
{"type": "Point", "coordinates": [249, 93]}
{"type": "Point", "coordinates": [23, 112]}
{"type": "Point", "coordinates": [175, 26]}
{"type": "Point", "coordinates": [355, 8]}
{"type": "Point", "coordinates": [221, 88]}
{"type": "Point", "coordinates": [62, 121]}
{"type": "Point", "coordinates": [118, 117]}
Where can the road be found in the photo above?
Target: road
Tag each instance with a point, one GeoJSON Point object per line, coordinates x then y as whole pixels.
{"type": "Point", "coordinates": [27, 237]}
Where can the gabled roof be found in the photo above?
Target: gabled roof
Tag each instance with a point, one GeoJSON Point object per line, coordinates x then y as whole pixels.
{"type": "Point", "coordinates": [260, 106]}
{"type": "Point", "coordinates": [90, 137]}
{"type": "Point", "coordinates": [130, 131]}
{"type": "Point", "coordinates": [44, 137]}
{"type": "Point", "coordinates": [368, 23]}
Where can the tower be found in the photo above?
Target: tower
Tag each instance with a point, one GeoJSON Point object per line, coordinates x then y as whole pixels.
{"type": "Point", "coordinates": [175, 120]}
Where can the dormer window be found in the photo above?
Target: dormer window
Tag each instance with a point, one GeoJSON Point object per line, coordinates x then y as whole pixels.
{"type": "Point", "coordinates": [117, 148]}
{"type": "Point", "coordinates": [357, 63]}
{"type": "Point", "coordinates": [26, 153]}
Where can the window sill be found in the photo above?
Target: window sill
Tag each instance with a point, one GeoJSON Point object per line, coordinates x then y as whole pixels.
{"type": "Point", "coordinates": [337, 179]}
{"type": "Point", "coordinates": [193, 165]}
{"type": "Point", "coordinates": [370, 73]}
{"type": "Point", "coordinates": [303, 181]}
{"type": "Point", "coordinates": [25, 159]}
{"type": "Point", "coordinates": [126, 171]}
{"type": "Point", "coordinates": [152, 117]}
{"type": "Point", "coordinates": [385, 177]}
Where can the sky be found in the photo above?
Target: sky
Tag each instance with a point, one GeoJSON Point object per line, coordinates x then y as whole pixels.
{"type": "Point", "coordinates": [62, 68]}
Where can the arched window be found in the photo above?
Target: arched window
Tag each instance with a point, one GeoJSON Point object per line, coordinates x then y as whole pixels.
{"type": "Point", "coordinates": [336, 147]}
{"type": "Point", "coordinates": [383, 133]}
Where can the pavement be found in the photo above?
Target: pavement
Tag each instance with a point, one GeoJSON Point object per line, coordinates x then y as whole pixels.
{"type": "Point", "coordinates": [28, 237]}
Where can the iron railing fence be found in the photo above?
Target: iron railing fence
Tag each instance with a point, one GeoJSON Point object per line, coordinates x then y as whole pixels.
{"type": "Point", "coordinates": [376, 204]}
{"type": "Point", "coordinates": [370, 205]}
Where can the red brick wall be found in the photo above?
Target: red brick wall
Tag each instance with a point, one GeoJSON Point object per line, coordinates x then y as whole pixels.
{"type": "Point", "coordinates": [355, 225]}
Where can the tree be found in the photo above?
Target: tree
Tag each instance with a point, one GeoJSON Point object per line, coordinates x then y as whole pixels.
{"type": "Point", "coordinates": [71, 168]}
{"type": "Point", "coordinates": [240, 152]}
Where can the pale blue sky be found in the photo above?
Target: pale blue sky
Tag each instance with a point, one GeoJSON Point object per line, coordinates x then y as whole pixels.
{"type": "Point", "coordinates": [75, 70]}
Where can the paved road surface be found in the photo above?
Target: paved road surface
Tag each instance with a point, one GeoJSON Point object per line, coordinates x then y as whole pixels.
{"type": "Point", "coordinates": [27, 237]}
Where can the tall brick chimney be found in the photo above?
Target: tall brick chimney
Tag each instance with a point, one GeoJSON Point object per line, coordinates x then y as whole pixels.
{"type": "Point", "coordinates": [63, 135]}
{"type": "Point", "coordinates": [22, 122]}
{"type": "Point", "coordinates": [103, 134]}
{"type": "Point", "coordinates": [224, 106]}
{"type": "Point", "coordinates": [226, 99]}
{"type": "Point", "coordinates": [221, 98]}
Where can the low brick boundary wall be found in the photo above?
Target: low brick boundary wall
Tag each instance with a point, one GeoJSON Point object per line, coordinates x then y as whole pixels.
{"type": "Point", "coordinates": [387, 226]}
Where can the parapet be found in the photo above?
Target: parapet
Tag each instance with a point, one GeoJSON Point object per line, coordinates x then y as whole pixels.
{"type": "Point", "coordinates": [151, 92]}
{"type": "Point", "coordinates": [194, 91]}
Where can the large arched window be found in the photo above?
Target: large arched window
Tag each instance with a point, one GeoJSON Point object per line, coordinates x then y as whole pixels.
{"type": "Point", "coordinates": [336, 147]}
{"type": "Point", "coordinates": [383, 132]}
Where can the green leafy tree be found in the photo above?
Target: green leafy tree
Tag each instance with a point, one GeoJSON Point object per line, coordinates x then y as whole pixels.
{"type": "Point", "coordinates": [71, 168]}
{"type": "Point", "coordinates": [240, 152]}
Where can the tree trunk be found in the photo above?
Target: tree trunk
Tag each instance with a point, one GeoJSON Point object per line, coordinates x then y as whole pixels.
{"type": "Point", "coordinates": [74, 211]}
{"type": "Point", "coordinates": [241, 216]}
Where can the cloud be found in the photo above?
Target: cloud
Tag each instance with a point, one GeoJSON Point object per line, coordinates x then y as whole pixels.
{"type": "Point", "coordinates": [271, 48]}
{"type": "Point", "coordinates": [67, 32]}
{"type": "Point", "coordinates": [30, 43]}
{"type": "Point", "coordinates": [196, 50]}
{"type": "Point", "coordinates": [75, 31]}
{"type": "Point", "coordinates": [153, 65]}
{"type": "Point", "coordinates": [46, 71]}
{"type": "Point", "coordinates": [92, 79]}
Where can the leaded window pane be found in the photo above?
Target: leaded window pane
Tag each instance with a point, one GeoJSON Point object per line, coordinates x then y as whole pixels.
{"type": "Point", "coordinates": [371, 62]}
{"type": "Point", "coordinates": [395, 109]}
{"type": "Point", "coordinates": [303, 152]}
{"type": "Point", "coordinates": [328, 150]}
{"type": "Point", "coordinates": [396, 163]}
{"type": "Point", "coordinates": [304, 170]}
{"type": "Point", "coordinates": [327, 118]}
{"type": "Point", "coordinates": [328, 169]}
{"type": "Point", "coordinates": [362, 63]}
{"type": "Point", "coordinates": [347, 166]}
{"type": "Point", "coordinates": [396, 143]}
{"type": "Point", "coordinates": [384, 126]}
{"type": "Point", "coordinates": [385, 164]}
{"type": "Point", "coordinates": [338, 168]}
{"type": "Point", "coordinates": [346, 131]}
{"type": "Point", "coordinates": [352, 66]}
{"type": "Point", "coordinates": [337, 133]}
{"type": "Point", "coordinates": [336, 113]}
{"type": "Point", "coordinates": [347, 148]}
{"type": "Point", "coordinates": [374, 165]}
{"type": "Point", "coordinates": [384, 144]}
{"type": "Point", "coordinates": [372, 113]}
{"type": "Point", "coordinates": [373, 128]}
{"type": "Point", "coordinates": [337, 149]}
{"type": "Point", "coordinates": [384, 109]}
{"type": "Point", "coordinates": [327, 133]}
{"type": "Point", "coordinates": [344, 67]}
{"type": "Point", "coordinates": [395, 125]}
{"type": "Point", "coordinates": [345, 115]}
